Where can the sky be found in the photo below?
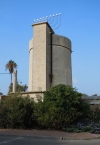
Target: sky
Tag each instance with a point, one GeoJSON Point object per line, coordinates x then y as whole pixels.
{"type": "Point", "coordinates": [80, 22]}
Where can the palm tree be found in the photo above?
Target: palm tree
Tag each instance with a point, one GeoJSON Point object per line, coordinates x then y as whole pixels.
{"type": "Point", "coordinates": [10, 66]}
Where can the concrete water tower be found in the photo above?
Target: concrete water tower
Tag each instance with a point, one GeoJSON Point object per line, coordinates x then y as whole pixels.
{"type": "Point", "coordinates": [50, 59]}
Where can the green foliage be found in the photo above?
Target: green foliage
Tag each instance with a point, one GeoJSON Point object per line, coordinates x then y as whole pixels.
{"type": "Point", "coordinates": [16, 112]}
{"type": "Point", "coordinates": [96, 113]}
{"type": "Point", "coordinates": [10, 66]}
{"type": "Point", "coordinates": [1, 93]}
{"type": "Point", "coordinates": [20, 88]}
{"type": "Point", "coordinates": [72, 129]}
{"type": "Point", "coordinates": [75, 128]}
{"type": "Point", "coordinates": [62, 105]}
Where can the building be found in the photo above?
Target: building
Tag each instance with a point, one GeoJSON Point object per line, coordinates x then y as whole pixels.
{"type": "Point", "coordinates": [50, 59]}
{"type": "Point", "coordinates": [92, 100]}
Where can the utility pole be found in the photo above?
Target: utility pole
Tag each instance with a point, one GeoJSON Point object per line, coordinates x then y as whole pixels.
{"type": "Point", "coordinates": [14, 81]}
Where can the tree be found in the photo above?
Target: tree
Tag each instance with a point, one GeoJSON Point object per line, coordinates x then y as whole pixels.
{"type": "Point", "coordinates": [62, 106]}
{"type": "Point", "coordinates": [20, 88]}
{"type": "Point", "coordinates": [1, 93]}
{"type": "Point", "coordinates": [10, 66]}
{"type": "Point", "coordinates": [16, 112]}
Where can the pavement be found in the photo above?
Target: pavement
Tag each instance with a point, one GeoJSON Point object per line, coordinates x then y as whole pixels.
{"type": "Point", "coordinates": [47, 134]}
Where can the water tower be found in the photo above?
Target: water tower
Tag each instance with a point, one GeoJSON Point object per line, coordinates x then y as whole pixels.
{"type": "Point", "coordinates": [50, 58]}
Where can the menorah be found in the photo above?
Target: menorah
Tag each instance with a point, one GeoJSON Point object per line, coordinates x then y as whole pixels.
{"type": "Point", "coordinates": [53, 20]}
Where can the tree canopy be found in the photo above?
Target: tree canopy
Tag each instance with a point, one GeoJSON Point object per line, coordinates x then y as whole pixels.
{"type": "Point", "coordinates": [20, 88]}
{"type": "Point", "coordinates": [10, 66]}
{"type": "Point", "coordinates": [62, 105]}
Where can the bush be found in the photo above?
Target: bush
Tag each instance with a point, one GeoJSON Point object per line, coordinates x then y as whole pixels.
{"type": "Point", "coordinates": [62, 105]}
{"type": "Point", "coordinates": [16, 112]}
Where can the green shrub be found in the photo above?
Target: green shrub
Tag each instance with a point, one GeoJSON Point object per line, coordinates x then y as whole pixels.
{"type": "Point", "coordinates": [62, 105]}
{"type": "Point", "coordinates": [86, 129]}
{"type": "Point", "coordinates": [16, 112]}
{"type": "Point", "coordinates": [77, 129]}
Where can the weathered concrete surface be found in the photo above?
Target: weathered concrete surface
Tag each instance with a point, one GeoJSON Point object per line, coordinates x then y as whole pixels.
{"type": "Point", "coordinates": [39, 65]}
{"type": "Point", "coordinates": [50, 59]}
{"type": "Point", "coordinates": [62, 69]}
{"type": "Point", "coordinates": [30, 86]}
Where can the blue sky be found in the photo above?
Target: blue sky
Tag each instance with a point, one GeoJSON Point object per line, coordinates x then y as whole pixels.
{"type": "Point", "coordinates": [80, 23]}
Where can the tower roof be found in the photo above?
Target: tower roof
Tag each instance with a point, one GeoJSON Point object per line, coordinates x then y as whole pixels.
{"type": "Point", "coordinates": [40, 23]}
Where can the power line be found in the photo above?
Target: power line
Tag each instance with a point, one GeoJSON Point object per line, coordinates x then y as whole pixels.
{"type": "Point", "coordinates": [4, 73]}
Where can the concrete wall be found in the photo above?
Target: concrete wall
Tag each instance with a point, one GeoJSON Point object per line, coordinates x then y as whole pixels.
{"type": "Point", "coordinates": [48, 57]}
{"type": "Point", "coordinates": [30, 86]}
{"type": "Point", "coordinates": [39, 58]}
{"type": "Point", "coordinates": [44, 65]}
{"type": "Point", "coordinates": [62, 68]}
{"type": "Point", "coordinates": [39, 65]}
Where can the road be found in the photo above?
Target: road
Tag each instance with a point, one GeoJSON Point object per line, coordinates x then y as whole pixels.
{"type": "Point", "coordinates": [33, 141]}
